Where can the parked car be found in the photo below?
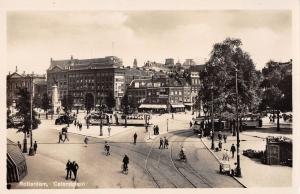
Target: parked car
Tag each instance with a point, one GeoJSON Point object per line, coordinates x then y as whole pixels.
{"type": "Point", "coordinates": [64, 119]}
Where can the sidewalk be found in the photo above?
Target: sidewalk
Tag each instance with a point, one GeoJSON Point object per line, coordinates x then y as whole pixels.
{"type": "Point", "coordinates": [254, 173]}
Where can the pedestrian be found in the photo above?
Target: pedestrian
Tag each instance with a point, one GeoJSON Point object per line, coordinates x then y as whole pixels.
{"type": "Point", "coordinates": [35, 146]}
{"type": "Point", "coordinates": [225, 155]}
{"type": "Point", "coordinates": [19, 145]}
{"type": "Point", "coordinates": [134, 138]}
{"type": "Point", "coordinates": [68, 168]}
{"type": "Point", "coordinates": [219, 136]}
{"type": "Point", "coordinates": [172, 116]}
{"type": "Point", "coordinates": [225, 138]}
{"type": "Point", "coordinates": [157, 130]}
{"type": "Point", "coordinates": [75, 122]}
{"type": "Point", "coordinates": [80, 126]}
{"type": "Point", "coordinates": [86, 139]}
{"type": "Point", "coordinates": [74, 168]}
{"type": "Point", "coordinates": [108, 130]}
{"type": "Point", "coordinates": [220, 145]}
{"type": "Point", "coordinates": [107, 148]}
{"type": "Point", "coordinates": [60, 137]}
{"type": "Point", "coordinates": [191, 124]}
{"type": "Point", "coordinates": [125, 163]}
{"type": "Point", "coordinates": [232, 149]}
{"type": "Point", "coordinates": [154, 129]}
{"type": "Point", "coordinates": [66, 136]}
{"type": "Point", "coordinates": [166, 143]}
{"type": "Point", "coordinates": [161, 142]}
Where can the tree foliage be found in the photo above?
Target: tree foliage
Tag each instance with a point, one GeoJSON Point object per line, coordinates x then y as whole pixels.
{"type": "Point", "coordinates": [23, 110]}
{"type": "Point", "coordinates": [110, 101]}
{"type": "Point", "coordinates": [67, 102]}
{"type": "Point", "coordinates": [218, 78]}
{"type": "Point", "coordinates": [89, 102]}
{"type": "Point", "coordinates": [45, 102]}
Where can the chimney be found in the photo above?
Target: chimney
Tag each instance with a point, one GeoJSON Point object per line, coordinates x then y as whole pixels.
{"type": "Point", "coordinates": [16, 69]}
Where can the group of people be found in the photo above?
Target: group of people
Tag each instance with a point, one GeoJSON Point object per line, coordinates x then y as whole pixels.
{"type": "Point", "coordinates": [78, 124]}
{"type": "Point", "coordinates": [34, 146]}
{"type": "Point", "coordinates": [63, 133]}
{"type": "Point", "coordinates": [71, 168]}
{"type": "Point", "coordinates": [155, 130]}
{"type": "Point", "coordinates": [163, 143]}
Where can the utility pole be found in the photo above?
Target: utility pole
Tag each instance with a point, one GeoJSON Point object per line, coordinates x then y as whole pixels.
{"type": "Point", "coordinates": [212, 118]}
{"type": "Point", "coordinates": [238, 168]}
{"type": "Point", "coordinates": [31, 150]}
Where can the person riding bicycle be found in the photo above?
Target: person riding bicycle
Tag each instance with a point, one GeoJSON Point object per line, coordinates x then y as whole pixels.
{"type": "Point", "coordinates": [107, 148]}
{"type": "Point", "coordinates": [125, 163]}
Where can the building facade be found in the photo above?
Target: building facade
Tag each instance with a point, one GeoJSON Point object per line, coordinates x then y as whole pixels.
{"type": "Point", "coordinates": [34, 83]}
{"type": "Point", "coordinates": [100, 77]}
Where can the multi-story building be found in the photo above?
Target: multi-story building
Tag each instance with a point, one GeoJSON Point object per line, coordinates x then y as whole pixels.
{"type": "Point", "coordinates": [160, 94]}
{"type": "Point", "coordinates": [33, 82]}
{"type": "Point", "coordinates": [100, 77]}
{"type": "Point", "coordinates": [136, 73]}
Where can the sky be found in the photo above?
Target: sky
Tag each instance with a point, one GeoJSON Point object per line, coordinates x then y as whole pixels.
{"type": "Point", "coordinates": [34, 37]}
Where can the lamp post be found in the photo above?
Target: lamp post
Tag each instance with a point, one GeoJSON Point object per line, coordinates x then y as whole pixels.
{"type": "Point", "coordinates": [238, 167]}
{"type": "Point", "coordinates": [101, 123]}
{"type": "Point", "coordinates": [31, 150]}
{"type": "Point", "coordinates": [167, 125]}
{"type": "Point", "coordinates": [212, 117]}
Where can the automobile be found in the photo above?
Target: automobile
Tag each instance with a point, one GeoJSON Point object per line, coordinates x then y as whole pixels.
{"type": "Point", "coordinates": [64, 119]}
{"type": "Point", "coordinates": [224, 167]}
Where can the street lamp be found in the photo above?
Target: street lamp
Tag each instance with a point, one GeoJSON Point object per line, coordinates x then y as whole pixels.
{"type": "Point", "coordinates": [212, 117]}
{"type": "Point", "coordinates": [238, 167]}
{"type": "Point", "coordinates": [100, 113]}
{"type": "Point", "coordinates": [31, 150]}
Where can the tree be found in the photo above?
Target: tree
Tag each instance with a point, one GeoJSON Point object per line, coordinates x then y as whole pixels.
{"type": "Point", "coordinates": [67, 102]}
{"type": "Point", "coordinates": [110, 101]}
{"type": "Point", "coordinates": [37, 102]}
{"type": "Point", "coordinates": [46, 104]}
{"type": "Point", "coordinates": [218, 79]}
{"type": "Point", "coordinates": [89, 102]}
{"type": "Point", "coordinates": [277, 88]}
{"type": "Point", "coordinates": [23, 106]}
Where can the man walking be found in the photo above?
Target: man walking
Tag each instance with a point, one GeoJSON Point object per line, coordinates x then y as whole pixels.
{"type": "Point", "coordinates": [166, 143]}
{"type": "Point", "coordinates": [35, 146]}
{"type": "Point", "coordinates": [19, 145]}
{"type": "Point", "coordinates": [232, 149]}
{"type": "Point", "coordinates": [68, 168]}
{"type": "Point", "coordinates": [108, 129]}
{"type": "Point", "coordinates": [60, 137]}
{"type": "Point", "coordinates": [134, 138]}
{"type": "Point", "coordinates": [75, 168]}
{"type": "Point", "coordinates": [191, 124]}
{"type": "Point", "coordinates": [66, 136]}
{"type": "Point", "coordinates": [161, 142]}
{"type": "Point", "coordinates": [86, 139]}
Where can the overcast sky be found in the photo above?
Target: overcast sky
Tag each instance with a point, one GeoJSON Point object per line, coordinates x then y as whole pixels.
{"type": "Point", "coordinates": [34, 37]}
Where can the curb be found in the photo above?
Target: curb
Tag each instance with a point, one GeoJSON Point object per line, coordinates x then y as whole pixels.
{"type": "Point", "coordinates": [216, 157]}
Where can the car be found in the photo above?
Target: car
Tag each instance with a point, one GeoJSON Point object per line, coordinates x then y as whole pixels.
{"type": "Point", "coordinates": [64, 119]}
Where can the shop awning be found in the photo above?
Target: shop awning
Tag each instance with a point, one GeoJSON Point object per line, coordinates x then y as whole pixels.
{"type": "Point", "coordinates": [153, 106]}
{"type": "Point", "coordinates": [188, 104]}
{"type": "Point", "coordinates": [177, 105]}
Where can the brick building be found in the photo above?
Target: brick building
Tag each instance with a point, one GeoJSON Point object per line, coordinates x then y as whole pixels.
{"type": "Point", "coordinates": [99, 77]}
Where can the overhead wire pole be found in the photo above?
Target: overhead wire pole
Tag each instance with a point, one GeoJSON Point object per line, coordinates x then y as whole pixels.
{"type": "Point", "coordinates": [31, 150]}
{"type": "Point", "coordinates": [238, 167]}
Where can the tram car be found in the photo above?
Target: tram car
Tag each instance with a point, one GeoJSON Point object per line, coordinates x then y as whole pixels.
{"type": "Point", "coordinates": [134, 119]}
{"type": "Point", "coordinates": [95, 119]}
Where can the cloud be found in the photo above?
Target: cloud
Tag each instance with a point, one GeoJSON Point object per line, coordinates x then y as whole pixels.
{"type": "Point", "coordinates": [34, 37]}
